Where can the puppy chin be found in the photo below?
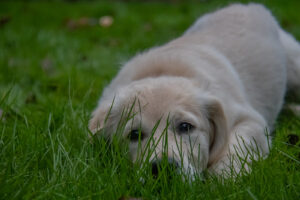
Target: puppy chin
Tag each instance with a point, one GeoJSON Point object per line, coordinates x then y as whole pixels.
{"type": "Point", "coordinates": [191, 173]}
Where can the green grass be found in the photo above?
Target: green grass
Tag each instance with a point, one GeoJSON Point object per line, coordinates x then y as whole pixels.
{"type": "Point", "coordinates": [50, 80]}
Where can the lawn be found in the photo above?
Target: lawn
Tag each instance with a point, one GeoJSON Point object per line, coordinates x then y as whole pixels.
{"type": "Point", "coordinates": [55, 59]}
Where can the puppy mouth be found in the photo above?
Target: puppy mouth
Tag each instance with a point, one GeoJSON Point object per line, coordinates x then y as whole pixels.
{"type": "Point", "coordinates": [170, 167]}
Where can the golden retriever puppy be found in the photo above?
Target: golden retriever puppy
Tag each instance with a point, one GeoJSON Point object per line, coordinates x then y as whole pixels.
{"type": "Point", "coordinates": [214, 92]}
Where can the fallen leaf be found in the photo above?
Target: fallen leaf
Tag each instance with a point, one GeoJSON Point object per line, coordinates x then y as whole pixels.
{"type": "Point", "coordinates": [106, 21]}
{"type": "Point", "coordinates": [81, 22]}
{"type": "Point", "coordinates": [4, 20]}
{"type": "Point", "coordinates": [71, 24]}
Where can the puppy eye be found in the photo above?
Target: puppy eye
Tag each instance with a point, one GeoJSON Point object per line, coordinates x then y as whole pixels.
{"type": "Point", "coordinates": [185, 127]}
{"type": "Point", "coordinates": [134, 135]}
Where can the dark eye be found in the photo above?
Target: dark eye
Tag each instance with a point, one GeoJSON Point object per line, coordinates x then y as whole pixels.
{"type": "Point", "coordinates": [185, 127]}
{"type": "Point", "coordinates": [134, 135]}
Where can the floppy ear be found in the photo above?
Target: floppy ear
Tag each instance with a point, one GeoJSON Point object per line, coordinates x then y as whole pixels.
{"type": "Point", "coordinates": [219, 133]}
{"type": "Point", "coordinates": [99, 118]}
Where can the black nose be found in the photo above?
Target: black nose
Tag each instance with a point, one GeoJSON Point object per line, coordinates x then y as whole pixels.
{"type": "Point", "coordinates": [169, 166]}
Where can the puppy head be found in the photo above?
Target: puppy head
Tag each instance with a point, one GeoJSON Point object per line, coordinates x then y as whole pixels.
{"type": "Point", "coordinates": [165, 116]}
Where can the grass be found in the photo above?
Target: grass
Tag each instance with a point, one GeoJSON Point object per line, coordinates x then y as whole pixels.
{"type": "Point", "coordinates": [51, 76]}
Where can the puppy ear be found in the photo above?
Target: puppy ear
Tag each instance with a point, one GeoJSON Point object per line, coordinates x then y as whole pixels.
{"type": "Point", "coordinates": [219, 132]}
{"type": "Point", "coordinates": [99, 118]}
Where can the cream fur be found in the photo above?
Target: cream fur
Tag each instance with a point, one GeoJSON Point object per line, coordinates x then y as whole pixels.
{"type": "Point", "coordinates": [226, 75]}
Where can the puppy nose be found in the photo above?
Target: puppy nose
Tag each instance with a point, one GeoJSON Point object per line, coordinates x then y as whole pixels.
{"type": "Point", "coordinates": [171, 166]}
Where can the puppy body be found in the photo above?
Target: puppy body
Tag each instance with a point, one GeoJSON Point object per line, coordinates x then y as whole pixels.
{"type": "Point", "coordinates": [227, 75]}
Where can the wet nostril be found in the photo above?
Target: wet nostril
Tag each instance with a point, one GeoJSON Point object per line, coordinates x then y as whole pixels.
{"type": "Point", "coordinates": [155, 169]}
{"type": "Point", "coordinates": [171, 166]}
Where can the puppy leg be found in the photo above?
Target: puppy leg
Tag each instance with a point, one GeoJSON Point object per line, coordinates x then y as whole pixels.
{"type": "Point", "coordinates": [292, 49]}
{"type": "Point", "coordinates": [294, 108]}
{"type": "Point", "coordinates": [248, 141]}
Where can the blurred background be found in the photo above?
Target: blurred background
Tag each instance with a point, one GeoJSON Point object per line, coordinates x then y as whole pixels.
{"type": "Point", "coordinates": [45, 44]}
